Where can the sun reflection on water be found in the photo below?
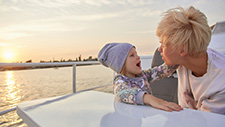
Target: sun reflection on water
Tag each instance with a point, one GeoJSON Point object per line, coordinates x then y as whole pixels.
{"type": "Point", "coordinates": [10, 97]}
{"type": "Point", "coordinates": [11, 89]}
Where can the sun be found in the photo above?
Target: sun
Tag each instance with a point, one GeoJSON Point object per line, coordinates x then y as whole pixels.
{"type": "Point", "coordinates": [8, 56]}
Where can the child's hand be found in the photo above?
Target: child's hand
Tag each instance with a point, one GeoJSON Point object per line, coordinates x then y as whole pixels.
{"type": "Point", "coordinates": [161, 104]}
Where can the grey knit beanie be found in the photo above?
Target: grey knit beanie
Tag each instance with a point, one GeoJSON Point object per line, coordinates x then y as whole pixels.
{"type": "Point", "coordinates": [113, 55]}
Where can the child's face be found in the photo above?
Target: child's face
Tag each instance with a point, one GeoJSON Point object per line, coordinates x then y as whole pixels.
{"type": "Point", "coordinates": [132, 64]}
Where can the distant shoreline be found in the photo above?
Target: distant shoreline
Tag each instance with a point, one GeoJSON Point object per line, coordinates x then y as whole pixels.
{"type": "Point", "coordinates": [29, 66]}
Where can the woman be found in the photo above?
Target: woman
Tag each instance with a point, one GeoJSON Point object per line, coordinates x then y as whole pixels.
{"type": "Point", "coordinates": [184, 35]}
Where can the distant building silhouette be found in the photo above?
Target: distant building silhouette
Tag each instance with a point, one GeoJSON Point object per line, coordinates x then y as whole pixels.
{"type": "Point", "coordinates": [29, 61]}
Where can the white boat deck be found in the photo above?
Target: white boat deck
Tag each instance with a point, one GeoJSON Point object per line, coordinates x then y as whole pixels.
{"type": "Point", "coordinates": [98, 109]}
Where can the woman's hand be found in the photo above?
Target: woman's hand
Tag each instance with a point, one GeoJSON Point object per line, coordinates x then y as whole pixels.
{"type": "Point", "coordinates": [189, 100]}
{"type": "Point", "coordinates": [161, 104]}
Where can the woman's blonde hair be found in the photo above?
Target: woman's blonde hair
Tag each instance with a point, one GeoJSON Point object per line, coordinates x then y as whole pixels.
{"type": "Point", "coordinates": [185, 28]}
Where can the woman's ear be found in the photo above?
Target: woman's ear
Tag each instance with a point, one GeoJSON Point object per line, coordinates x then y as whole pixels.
{"type": "Point", "coordinates": [183, 52]}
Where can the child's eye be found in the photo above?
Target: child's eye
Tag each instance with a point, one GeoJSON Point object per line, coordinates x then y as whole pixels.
{"type": "Point", "coordinates": [132, 55]}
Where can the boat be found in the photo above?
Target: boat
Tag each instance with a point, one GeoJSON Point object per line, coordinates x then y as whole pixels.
{"type": "Point", "coordinates": [92, 109]}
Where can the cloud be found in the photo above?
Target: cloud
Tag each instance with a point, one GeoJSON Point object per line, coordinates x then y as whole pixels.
{"type": "Point", "coordinates": [146, 12]}
{"type": "Point", "coordinates": [4, 44]}
{"type": "Point", "coordinates": [13, 31]}
{"type": "Point", "coordinates": [87, 10]}
{"type": "Point", "coordinates": [96, 3]}
{"type": "Point", "coordinates": [48, 3]}
{"type": "Point", "coordinates": [92, 17]}
{"type": "Point", "coordinates": [142, 32]}
{"type": "Point", "coordinates": [29, 29]}
{"type": "Point", "coordinates": [21, 46]}
{"type": "Point", "coordinates": [119, 2]}
{"type": "Point", "coordinates": [26, 17]}
{"type": "Point", "coordinates": [12, 35]}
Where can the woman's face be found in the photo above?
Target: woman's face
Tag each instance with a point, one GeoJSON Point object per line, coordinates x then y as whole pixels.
{"type": "Point", "coordinates": [169, 55]}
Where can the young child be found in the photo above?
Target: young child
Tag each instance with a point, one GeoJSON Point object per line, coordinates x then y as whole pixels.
{"type": "Point", "coordinates": [131, 85]}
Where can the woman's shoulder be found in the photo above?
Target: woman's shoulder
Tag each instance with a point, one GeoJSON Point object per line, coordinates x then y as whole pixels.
{"type": "Point", "coordinates": [214, 53]}
{"type": "Point", "coordinates": [216, 58]}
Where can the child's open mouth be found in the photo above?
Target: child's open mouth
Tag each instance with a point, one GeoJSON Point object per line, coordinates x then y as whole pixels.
{"type": "Point", "coordinates": [139, 64]}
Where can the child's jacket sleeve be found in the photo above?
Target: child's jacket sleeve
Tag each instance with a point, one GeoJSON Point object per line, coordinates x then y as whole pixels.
{"type": "Point", "coordinates": [126, 93]}
{"type": "Point", "coordinates": [159, 72]}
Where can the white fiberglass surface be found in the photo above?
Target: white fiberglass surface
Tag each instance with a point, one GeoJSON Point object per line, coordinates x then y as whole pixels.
{"type": "Point", "coordinates": [97, 109]}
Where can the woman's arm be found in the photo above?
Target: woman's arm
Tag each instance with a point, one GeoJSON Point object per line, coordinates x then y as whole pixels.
{"type": "Point", "coordinates": [214, 103]}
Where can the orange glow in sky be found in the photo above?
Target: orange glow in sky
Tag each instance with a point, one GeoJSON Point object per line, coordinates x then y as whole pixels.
{"type": "Point", "coordinates": [47, 30]}
{"type": "Point", "coordinates": [8, 56]}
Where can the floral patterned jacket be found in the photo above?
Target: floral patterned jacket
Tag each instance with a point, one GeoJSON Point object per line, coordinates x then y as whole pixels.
{"type": "Point", "coordinates": [131, 90]}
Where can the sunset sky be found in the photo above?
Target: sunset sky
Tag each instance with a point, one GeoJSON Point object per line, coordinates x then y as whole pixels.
{"type": "Point", "coordinates": [64, 29]}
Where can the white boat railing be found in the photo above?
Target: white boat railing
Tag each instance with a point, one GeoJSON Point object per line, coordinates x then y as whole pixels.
{"type": "Point", "coordinates": [11, 66]}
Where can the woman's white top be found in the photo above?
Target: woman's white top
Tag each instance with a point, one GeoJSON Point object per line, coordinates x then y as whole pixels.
{"type": "Point", "coordinates": [209, 90]}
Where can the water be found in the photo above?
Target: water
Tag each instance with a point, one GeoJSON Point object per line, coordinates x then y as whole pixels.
{"type": "Point", "coordinates": [25, 85]}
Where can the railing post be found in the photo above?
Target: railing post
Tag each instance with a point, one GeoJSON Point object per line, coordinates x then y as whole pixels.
{"type": "Point", "coordinates": [74, 78]}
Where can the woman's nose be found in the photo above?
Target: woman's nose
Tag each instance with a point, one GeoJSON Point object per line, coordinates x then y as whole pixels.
{"type": "Point", "coordinates": [160, 48]}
